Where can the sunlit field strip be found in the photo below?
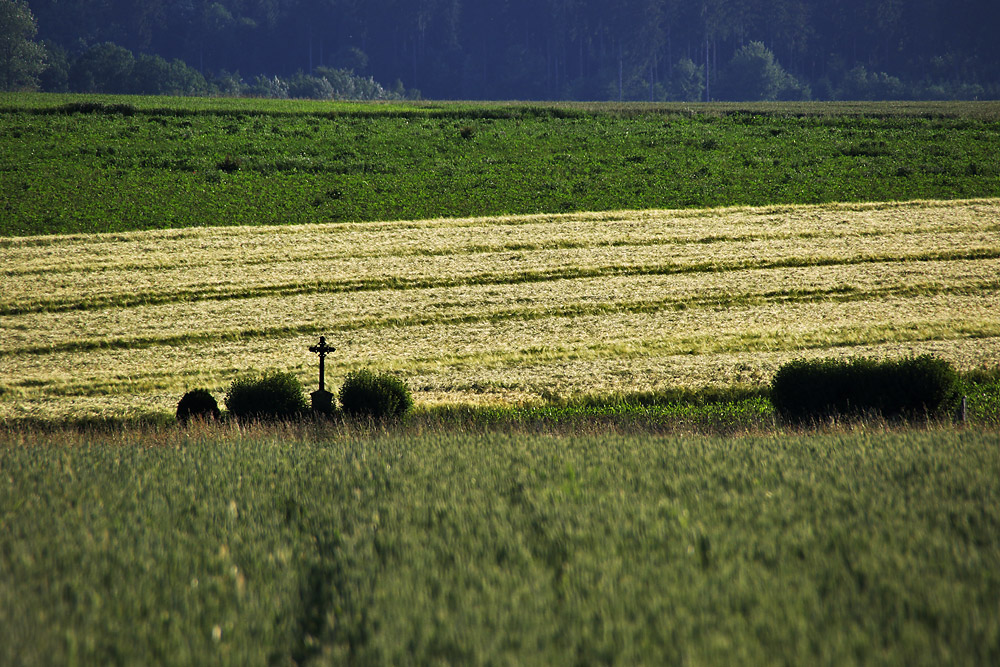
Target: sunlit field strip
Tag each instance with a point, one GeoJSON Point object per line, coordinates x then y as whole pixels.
{"type": "Point", "coordinates": [480, 348]}
{"type": "Point", "coordinates": [522, 360]}
{"type": "Point", "coordinates": [356, 311]}
{"type": "Point", "coordinates": [707, 319]}
{"type": "Point", "coordinates": [332, 288]}
{"type": "Point", "coordinates": [526, 382]}
{"type": "Point", "coordinates": [217, 247]}
{"type": "Point", "coordinates": [770, 327]}
{"type": "Point", "coordinates": [114, 288]}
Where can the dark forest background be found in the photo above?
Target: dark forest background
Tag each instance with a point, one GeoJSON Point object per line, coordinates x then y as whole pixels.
{"type": "Point", "coordinates": [526, 49]}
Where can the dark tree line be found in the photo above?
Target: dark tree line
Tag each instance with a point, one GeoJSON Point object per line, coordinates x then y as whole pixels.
{"type": "Point", "coordinates": [564, 49]}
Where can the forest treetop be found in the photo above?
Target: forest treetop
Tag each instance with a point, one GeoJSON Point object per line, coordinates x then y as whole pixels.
{"type": "Point", "coordinates": [559, 49]}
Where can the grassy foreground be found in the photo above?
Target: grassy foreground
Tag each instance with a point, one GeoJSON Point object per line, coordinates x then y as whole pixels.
{"type": "Point", "coordinates": [328, 546]}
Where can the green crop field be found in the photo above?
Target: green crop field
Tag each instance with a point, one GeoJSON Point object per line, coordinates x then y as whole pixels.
{"type": "Point", "coordinates": [565, 288]}
{"type": "Point", "coordinates": [85, 164]}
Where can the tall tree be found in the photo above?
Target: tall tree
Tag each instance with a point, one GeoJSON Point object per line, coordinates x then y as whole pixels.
{"type": "Point", "coordinates": [21, 58]}
{"type": "Point", "coordinates": [754, 74]}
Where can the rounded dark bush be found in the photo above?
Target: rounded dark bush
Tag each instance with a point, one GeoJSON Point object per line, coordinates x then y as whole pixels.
{"type": "Point", "coordinates": [910, 387]}
{"type": "Point", "coordinates": [197, 404]}
{"type": "Point", "coordinates": [272, 396]}
{"type": "Point", "coordinates": [365, 394]}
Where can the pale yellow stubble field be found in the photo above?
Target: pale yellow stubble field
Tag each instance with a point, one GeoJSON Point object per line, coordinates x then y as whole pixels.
{"type": "Point", "coordinates": [499, 309]}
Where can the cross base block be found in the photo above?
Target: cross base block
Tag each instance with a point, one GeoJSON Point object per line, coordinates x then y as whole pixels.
{"type": "Point", "coordinates": [322, 402]}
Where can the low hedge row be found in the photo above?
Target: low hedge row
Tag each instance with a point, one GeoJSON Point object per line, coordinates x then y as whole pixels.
{"type": "Point", "coordinates": [197, 404]}
{"type": "Point", "coordinates": [365, 394]}
{"type": "Point", "coordinates": [269, 397]}
{"type": "Point", "coordinates": [802, 390]}
{"type": "Point", "coordinates": [277, 396]}
{"type": "Point", "coordinates": [908, 387]}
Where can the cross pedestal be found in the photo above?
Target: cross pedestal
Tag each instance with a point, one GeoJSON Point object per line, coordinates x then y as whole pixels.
{"type": "Point", "coordinates": [322, 400]}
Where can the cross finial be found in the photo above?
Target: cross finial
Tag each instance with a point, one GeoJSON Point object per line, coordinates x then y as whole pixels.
{"type": "Point", "coordinates": [322, 350]}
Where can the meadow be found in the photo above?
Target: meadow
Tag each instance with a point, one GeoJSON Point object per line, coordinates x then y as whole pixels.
{"type": "Point", "coordinates": [588, 303]}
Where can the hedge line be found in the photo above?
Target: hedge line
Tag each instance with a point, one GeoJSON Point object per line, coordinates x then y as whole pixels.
{"type": "Point", "coordinates": [909, 387]}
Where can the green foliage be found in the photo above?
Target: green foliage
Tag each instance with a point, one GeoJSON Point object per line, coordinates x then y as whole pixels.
{"type": "Point", "coordinates": [860, 84]}
{"type": "Point", "coordinates": [326, 84]}
{"type": "Point", "coordinates": [754, 74]}
{"type": "Point", "coordinates": [21, 58]}
{"type": "Point", "coordinates": [350, 59]}
{"type": "Point", "coordinates": [197, 404]}
{"type": "Point", "coordinates": [109, 68]}
{"type": "Point", "coordinates": [408, 161]}
{"type": "Point", "coordinates": [269, 87]}
{"type": "Point", "coordinates": [981, 389]}
{"type": "Point", "coordinates": [688, 81]}
{"type": "Point", "coordinates": [910, 387]}
{"type": "Point", "coordinates": [271, 396]}
{"type": "Point", "coordinates": [55, 77]}
{"type": "Point", "coordinates": [243, 546]}
{"type": "Point", "coordinates": [381, 396]}
{"type": "Point", "coordinates": [311, 87]}
{"type": "Point", "coordinates": [103, 68]}
{"type": "Point", "coordinates": [346, 85]}
{"type": "Point", "coordinates": [152, 75]}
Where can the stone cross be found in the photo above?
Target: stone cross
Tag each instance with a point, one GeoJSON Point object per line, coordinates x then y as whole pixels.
{"type": "Point", "coordinates": [322, 350]}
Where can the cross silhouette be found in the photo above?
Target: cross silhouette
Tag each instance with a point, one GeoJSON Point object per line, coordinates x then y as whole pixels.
{"type": "Point", "coordinates": [322, 350]}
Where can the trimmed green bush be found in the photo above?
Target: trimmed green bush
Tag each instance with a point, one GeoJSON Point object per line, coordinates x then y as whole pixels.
{"type": "Point", "coordinates": [365, 394]}
{"type": "Point", "coordinates": [272, 396]}
{"type": "Point", "coordinates": [197, 404]}
{"type": "Point", "coordinates": [909, 387]}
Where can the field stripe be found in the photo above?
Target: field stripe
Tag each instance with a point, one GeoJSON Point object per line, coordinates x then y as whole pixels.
{"type": "Point", "coordinates": [917, 212]}
{"type": "Point", "coordinates": [704, 345]}
{"type": "Point", "coordinates": [126, 300]}
{"type": "Point", "coordinates": [712, 344]}
{"type": "Point", "coordinates": [835, 294]}
{"type": "Point", "coordinates": [48, 266]}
